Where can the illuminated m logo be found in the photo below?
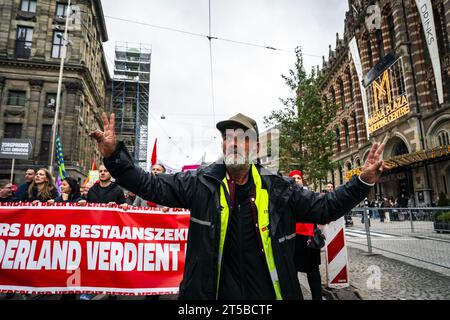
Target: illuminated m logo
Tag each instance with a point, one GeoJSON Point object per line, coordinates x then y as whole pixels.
{"type": "Point", "coordinates": [382, 89]}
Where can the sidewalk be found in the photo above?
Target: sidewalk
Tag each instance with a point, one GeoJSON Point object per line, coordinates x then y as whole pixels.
{"type": "Point", "coordinates": [380, 278]}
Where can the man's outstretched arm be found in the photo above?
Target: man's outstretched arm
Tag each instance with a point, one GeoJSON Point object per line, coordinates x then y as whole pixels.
{"type": "Point", "coordinates": [169, 190]}
{"type": "Point", "coordinates": [313, 208]}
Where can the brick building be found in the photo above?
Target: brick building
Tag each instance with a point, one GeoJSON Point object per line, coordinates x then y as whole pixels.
{"type": "Point", "coordinates": [31, 35]}
{"type": "Point", "coordinates": [397, 75]}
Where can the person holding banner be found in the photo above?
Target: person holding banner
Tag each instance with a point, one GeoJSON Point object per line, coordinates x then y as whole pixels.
{"type": "Point", "coordinates": [42, 188]}
{"type": "Point", "coordinates": [241, 240]}
{"type": "Point", "coordinates": [70, 192]}
{"type": "Point", "coordinates": [6, 192]}
{"type": "Point", "coordinates": [106, 191]}
{"type": "Point", "coordinates": [23, 188]}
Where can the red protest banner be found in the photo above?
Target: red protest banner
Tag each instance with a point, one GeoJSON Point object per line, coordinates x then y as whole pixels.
{"type": "Point", "coordinates": [66, 248]}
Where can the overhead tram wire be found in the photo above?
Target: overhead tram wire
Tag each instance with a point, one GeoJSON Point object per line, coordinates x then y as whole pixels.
{"type": "Point", "coordinates": [210, 37]}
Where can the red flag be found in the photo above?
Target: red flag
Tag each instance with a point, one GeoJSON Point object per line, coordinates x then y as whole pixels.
{"type": "Point", "coordinates": [94, 165]}
{"type": "Point", "coordinates": [154, 153]}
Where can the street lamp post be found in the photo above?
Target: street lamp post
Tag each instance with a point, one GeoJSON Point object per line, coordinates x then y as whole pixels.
{"type": "Point", "coordinates": [58, 94]}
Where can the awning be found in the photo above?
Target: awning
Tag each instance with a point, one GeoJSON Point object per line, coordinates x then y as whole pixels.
{"type": "Point", "coordinates": [411, 159]}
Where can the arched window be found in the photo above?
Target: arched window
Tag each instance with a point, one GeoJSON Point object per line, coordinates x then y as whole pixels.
{"type": "Point", "coordinates": [358, 163]}
{"type": "Point", "coordinates": [333, 97]}
{"type": "Point", "coordinates": [338, 139]}
{"type": "Point", "coordinates": [350, 84]}
{"type": "Point", "coordinates": [349, 166]}
{"type": "Point", "coordinates": [443, 138]}
{"type": "Point", "coordinates": [369, 53]}
{"type": "Point", "coordinates": [355, 126]}
{"type": "Point", "coordinates": [347, 134]}
{"type": "Point", "coordinates": [380, 44]}
{"type": "Point", "coordinates": [391, 29]}
{"type": "Point", "coordinates": [341, 92]}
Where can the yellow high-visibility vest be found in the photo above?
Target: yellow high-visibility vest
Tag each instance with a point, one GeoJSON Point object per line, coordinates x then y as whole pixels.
{"type": "Point", "coordinates": [262, 205]}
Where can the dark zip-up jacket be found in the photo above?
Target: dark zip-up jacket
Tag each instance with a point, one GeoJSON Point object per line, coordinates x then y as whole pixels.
{"type": "Point", "coordinates": [111, 193]}
{"type": "Point", "coordinates": [200, 193]}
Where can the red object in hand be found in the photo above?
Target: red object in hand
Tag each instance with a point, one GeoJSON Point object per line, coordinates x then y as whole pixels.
{"type": "Point", "coordinates": [306, 229]}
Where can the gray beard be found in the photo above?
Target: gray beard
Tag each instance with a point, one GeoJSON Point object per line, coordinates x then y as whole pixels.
{"type": "Point", "coordinates": [237, 167]}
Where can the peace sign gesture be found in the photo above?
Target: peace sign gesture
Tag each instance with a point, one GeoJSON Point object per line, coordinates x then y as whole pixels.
{"type": "Point", "coordinates": [106, 139]}
{"type": "Point", "coordinates": [374, 166]}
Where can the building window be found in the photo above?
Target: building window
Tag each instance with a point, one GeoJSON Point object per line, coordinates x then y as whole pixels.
{"type": "Point", "coordinates": [57, 47]}
{"type": "Point", "coordinates": [13, 131]}
{"type": "Point", "coordinates": [369, 53]}
{"type": "Point", "coordinates": [50, 101]}
{"type": "Point", "coordinates": [342, 92]}
{"type": "Point", "coordinates": [391, 29]}
{"type": "Point", "coordinates": [28, 6]}
{"type": "Point", "coordinates": [333, 98]}
{"type": "Point", "coordinates": [350, 84]}
{"type": "Point", "coordinates": [347, 135]}
{"type": "Point", "coordinates": [341, 176]}
{"type": "Point", "coordinates": [44, 155]}
{"type": "Point", "coordinates": [443, 138]}
{"type": "Point", "coordinates": [24, 41]}
{"type": "Point", "coordinates": [358, 163]}
{"type": "Point", "coordinates": [380, 44]}
{"type": "Point", "coordinates": [17, 98]}
{"type": "Point", "coordinates": [355, 125]}
{"type": "Point", "coordinates": [61, 9]}
{"type": "Point", "coordinates": [441, 29]}
{"type": "Point", "coordinates": [349, 166]}
{"type": "Point", "coordinates": [338, 140]}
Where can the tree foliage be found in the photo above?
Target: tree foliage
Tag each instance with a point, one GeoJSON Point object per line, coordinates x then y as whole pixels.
{"type": "Point", "coordinates": [305, 136]}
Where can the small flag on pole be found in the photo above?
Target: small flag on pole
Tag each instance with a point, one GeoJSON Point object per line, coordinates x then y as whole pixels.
{"type": "Point", "coordinates": [154, 157]}
{"type": "Point", "coordinates": [60, 159]}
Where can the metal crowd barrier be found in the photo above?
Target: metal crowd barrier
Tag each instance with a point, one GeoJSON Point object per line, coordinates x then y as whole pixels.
{"type": "Point", "coordinates": [420, 234]}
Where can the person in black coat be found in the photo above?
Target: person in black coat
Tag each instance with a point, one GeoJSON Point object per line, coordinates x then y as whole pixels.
{"type": "Point", "coordinates": [236, 195]}
{"type": "Point", "coordinates": [106, 191]}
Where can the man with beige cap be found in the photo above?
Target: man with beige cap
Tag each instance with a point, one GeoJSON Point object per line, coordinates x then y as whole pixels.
{"type": "Point", "coordinates": [242, 231]}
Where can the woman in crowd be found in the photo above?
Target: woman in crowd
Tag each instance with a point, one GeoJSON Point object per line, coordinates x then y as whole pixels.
{"type": "Point", "coordinates": [42, 188]}
{"type": "Point", "coordinates": [70, 191]}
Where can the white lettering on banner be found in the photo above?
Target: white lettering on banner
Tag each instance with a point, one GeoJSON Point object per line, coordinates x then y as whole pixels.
{"type": "Point", "coordinates": [7, 230]}
{"type": "Point", "coordinates": [52, 255]}
{"type": "Point", "coordinates": [115, 256]}
{"type": "Point", "coordinates": [48, 231]}
{"type": "Point", "coordinates": [127, 233]}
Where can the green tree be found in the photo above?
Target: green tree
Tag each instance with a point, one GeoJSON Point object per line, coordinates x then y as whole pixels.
{"type": "Point", "coordinates": [306, 138]}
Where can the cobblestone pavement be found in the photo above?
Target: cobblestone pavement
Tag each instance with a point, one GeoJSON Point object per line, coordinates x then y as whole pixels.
{"type": "Point", "coordinates": [378, 277]}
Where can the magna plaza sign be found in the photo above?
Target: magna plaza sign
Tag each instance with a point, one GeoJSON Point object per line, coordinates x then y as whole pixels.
{"type": "Point", "coordinates": [387, 99]}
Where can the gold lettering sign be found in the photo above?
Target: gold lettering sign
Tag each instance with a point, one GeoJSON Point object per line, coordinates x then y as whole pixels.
{"type": "Point", "coordinates": [386, 107]}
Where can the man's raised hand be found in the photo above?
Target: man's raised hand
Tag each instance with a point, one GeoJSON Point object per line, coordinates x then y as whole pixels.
{"type": "Point", "coordinates": [374, 166]}
{"type": "Point", "coordinates": [106, 139]}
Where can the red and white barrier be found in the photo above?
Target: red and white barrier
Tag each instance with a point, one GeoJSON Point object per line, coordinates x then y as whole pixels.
{"type": "Point", "coordinates": [336, 254]}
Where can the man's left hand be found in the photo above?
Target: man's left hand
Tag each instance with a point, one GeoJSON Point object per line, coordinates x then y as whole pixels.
{"type": "Point", "coordinates": [374, 166]}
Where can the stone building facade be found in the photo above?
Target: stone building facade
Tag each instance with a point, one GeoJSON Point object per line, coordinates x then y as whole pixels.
{"type": "Point", "coordinates": [31, 35]}
{"type": "Point", "coordinates": [391, 43]}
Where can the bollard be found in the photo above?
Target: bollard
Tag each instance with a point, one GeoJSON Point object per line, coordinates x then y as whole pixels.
{"type": "Point", "coordinates": [366, 224]}
{"type": "Point", "coordinates": [411, 220]}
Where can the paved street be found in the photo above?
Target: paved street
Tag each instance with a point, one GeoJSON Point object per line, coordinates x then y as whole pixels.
{"type": "Point", "coordinates": [380, 278]}
{"type": "Point", "coordinates": [421, 246]}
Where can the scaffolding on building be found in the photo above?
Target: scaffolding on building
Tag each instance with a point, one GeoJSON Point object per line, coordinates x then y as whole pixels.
{"type": "Point", "coordinates": [130, 97]}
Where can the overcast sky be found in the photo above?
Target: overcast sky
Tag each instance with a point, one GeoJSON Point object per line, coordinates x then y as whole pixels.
{"type": "Point", "coordinates": [246, 79]}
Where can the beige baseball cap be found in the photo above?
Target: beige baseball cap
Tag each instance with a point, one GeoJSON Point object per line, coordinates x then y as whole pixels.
{"type": "Point", "coordinates": [238, 120]}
